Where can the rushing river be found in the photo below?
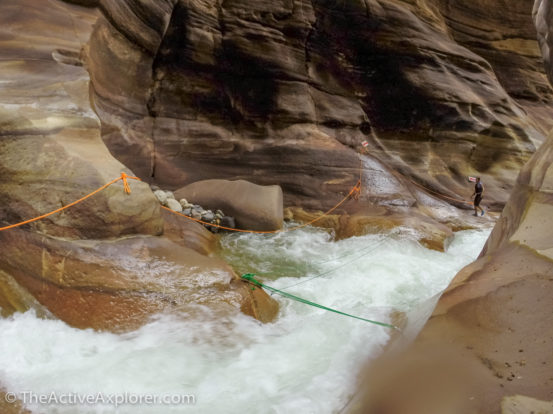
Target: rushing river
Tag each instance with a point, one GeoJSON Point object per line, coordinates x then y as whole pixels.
{"type": "Point", "coordinates": [304, 362]}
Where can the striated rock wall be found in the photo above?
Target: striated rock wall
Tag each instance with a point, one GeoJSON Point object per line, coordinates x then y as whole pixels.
{"type": "Point", "coordinates": [101, 264]}
{"type": "Point", "coordinates": [285, 91]}
{"type": "Point", "coordinates": [273, 92]}
{"type": "Point", "coordinates": [487, 346]}
{"type": "Point", "coordinates": [490, 336]}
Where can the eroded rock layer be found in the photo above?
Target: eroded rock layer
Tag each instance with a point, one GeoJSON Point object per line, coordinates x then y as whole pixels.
{"type": "Point", "coordinates": [284, 92]}
{"type": "Point", "coordinates": [487, 346]}
{"type": "Point", "coordinates": [103, 262]}
{"type": "Point", "coordinates": [490, 335]}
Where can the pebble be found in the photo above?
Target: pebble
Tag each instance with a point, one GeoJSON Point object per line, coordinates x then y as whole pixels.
{"type": "Point", "coordinates": [174, 205]}
{"type": "Point", "coordinates": [208, 216]}
{"type": "Point", "coordinates": [161, 196]}
{"type": "Point", "coordinates": [197, 212]}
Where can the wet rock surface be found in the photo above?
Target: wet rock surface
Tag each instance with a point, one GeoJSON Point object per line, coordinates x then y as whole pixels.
{"type": "Point", "coordinates": [103, 263]}
{"type": "Point", "coordinates": [491, 329]}
{"type": "Point", "coordinates": [285, 92]}
{"type": "Point", "coordinates": [487, 346]}
{"type": "Point", "coordinates": [117, 285]}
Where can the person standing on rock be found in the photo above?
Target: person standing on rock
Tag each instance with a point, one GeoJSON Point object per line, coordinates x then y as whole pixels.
{"type": "Point", "coordinates": [478, 193]}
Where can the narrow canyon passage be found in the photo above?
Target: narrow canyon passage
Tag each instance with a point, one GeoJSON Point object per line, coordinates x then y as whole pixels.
{"type": "Point", "coordinates": [306, 361]}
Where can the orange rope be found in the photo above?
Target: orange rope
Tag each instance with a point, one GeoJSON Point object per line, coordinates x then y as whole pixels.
{"type": "Point", "coordinates": [354, 193]}
{"type": "Point", "coordinates": [126, 187]}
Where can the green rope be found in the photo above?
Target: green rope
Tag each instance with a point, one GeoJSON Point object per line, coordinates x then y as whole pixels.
{"type": "Point", "coordinates": [250, 277]}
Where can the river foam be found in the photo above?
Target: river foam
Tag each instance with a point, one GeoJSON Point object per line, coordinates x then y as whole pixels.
{"type": "Point", "coordinates": [305, 362]}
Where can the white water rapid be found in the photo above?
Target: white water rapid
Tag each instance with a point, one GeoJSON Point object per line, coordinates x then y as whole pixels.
{"type": "Point", "coordinates": [304, 362]}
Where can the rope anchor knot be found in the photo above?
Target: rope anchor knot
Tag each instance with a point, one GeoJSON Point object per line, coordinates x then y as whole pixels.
{"type": "Point", "coordinates": [126, 185]}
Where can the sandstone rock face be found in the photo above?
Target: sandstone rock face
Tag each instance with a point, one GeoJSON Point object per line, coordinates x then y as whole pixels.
{"type": "Point", "coordinates": [253, 207]}
{"type": "Point", "coordinates": [527, 220]}
{"type": "Point", "coordinates": [118, 285]}
{"type": "Point", "coordinates": [188, 234]}
{"type": "Point", "coordinates": [519, 404]}
{"type": "Point", "coordinates": [285, 91]}
{"type": "Point", "coordinates": [51, 137]}
{"type": "Point", "coordinates": [489, 340]}
{"type": "Point", "coordinates": [430, 234]}
{"type": "Point", "coordinates": [76, 263]}
{"type": "Point", "coordinates": [491, 330]}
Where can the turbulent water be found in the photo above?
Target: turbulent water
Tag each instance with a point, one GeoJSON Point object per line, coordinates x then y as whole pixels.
{"type": "Point", "coordinates": [305, 362]}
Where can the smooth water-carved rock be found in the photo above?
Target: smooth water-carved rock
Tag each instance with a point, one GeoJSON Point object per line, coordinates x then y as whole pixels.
{"type": "Point", "coordinates": [102, 263]}
{"type": "Point", "coordinates": [285, 92]}
{"type": "Point", "coordinates": [488, 343]}
{"type": "Point", "coordinates": [161, 196]}
{"type": "Point", "coordinates": [118, 285]}
{"type": "Point", "coordinates": [491, 329]}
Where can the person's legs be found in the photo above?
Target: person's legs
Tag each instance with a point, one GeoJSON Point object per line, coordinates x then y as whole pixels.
{"type": "Point", "coordinates": [477, 200]}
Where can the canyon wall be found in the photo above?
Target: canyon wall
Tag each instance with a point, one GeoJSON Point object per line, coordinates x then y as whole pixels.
{"type": "Point", "coordinates": [487, 346]}
{"type": "Point", "coordinates": [284, 92]}
{"type": "Point", "coordinates": [102, 263]}
{"type": "Point", "coordinates": [279, 92]}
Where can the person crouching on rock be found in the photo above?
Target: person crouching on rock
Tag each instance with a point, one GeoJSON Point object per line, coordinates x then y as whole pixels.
{"type": "Point", "coordinates": [478, 193]}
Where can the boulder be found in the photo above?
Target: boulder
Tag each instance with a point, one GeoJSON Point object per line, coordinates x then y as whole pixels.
{"type": "Point", "coordinates": [208, 216]}
{"type": "Point", "coordinates": [118, 285]}
{"type": "Point", "coordinates": [254, 207]}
